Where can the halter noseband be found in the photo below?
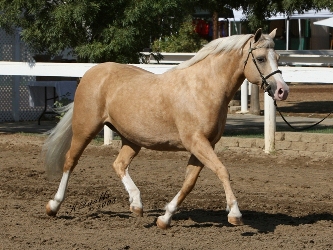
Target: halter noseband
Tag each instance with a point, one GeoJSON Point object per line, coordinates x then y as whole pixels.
{"type": "Point", "coordinates": [264, 84]}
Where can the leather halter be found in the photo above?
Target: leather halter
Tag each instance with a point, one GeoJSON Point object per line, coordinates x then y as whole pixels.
{"type": "Point", "coordinates": [264, 84]}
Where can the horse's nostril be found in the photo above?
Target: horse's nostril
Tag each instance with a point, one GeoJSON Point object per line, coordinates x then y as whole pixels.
{"type": "Point", "coordinates": [282, 93]}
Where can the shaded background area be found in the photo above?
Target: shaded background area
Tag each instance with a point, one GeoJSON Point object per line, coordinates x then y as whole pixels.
{"type": "Point", "coordinates": [306, 100]}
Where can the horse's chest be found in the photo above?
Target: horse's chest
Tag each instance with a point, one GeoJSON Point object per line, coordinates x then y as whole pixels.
{"type": "Point", "coordinates": [214, 129]}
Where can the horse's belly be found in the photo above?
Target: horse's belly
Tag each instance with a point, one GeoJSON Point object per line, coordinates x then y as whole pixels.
{"type": "Point", "coordinates": [165, 146]}
{"type": "Point", "coordinates": [152, 139]}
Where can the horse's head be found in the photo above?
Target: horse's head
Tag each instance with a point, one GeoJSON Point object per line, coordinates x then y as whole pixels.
{"type": "Point", "coordinates": [261, 65]}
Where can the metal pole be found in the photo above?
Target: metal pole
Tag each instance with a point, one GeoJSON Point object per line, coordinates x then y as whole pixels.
{"type": "Point", "coordinates": [299, 35]}
{"type": "Point", "coordinates": [229, 27]}
{"type": "Point", "coordinates": [16, 79]}
{"type": "Point", "coordinates": [287, 34]}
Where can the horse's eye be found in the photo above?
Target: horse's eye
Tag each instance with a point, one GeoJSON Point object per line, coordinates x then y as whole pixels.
{"type": "Point", "coordinates": [261, 59]}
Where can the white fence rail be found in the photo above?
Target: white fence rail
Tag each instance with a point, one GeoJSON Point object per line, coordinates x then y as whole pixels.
{"type": "Point", "coordinates": [290, 74]}
{"type": "Point", "coordinates": [287, 57]}
{"type": "Point", "coordinates": [62, 69]}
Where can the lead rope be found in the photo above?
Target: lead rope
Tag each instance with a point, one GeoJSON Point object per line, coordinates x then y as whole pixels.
{"type": "Point", "coordinates": [302, 128]}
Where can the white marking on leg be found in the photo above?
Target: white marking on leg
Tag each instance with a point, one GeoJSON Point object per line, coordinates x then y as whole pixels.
{"type": "Point", "coordinates": [170, 209]}
{"type": "Point", "coordinates": [234, 210]}
{"type": "Point", "coordinates": [60, 195]}
{"type": "Point", "coordinates": [133, 191]}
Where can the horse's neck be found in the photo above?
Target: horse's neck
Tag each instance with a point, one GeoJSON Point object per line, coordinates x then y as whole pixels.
{"type": "Point", "coordinates": [225, 73]}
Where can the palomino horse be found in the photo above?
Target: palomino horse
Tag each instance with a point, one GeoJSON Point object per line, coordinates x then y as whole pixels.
{"type": "Point", "coordinates": [183, 109]}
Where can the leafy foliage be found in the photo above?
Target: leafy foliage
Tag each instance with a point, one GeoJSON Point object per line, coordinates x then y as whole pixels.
{"type": "Point", "coordinates": [117, 30]}
{"type": "Point", "coordinates": [186, 40]}
{"type": "Point", "coordinates": [58, 105]}
{"type": "Point", "coordinates": [258, 12]}
{"type": "Point", "coordinates": [97, 30]}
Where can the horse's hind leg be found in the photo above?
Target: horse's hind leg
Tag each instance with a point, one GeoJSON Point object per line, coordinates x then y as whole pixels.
{"type": "Point", "coordinates": [127, 153]}
{"type": "Point", "coordinates": [192, 172]}
{"type": "Point", "coordinates": [53, 206]}
{"type": "Point", "coordinates": [81, 138]}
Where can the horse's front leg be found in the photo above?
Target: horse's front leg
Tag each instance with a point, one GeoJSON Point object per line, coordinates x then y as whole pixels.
{"type": "Point", "coordinates": [192, 172]}
{"type": "Point", "coordinates": [203, 150]}
{"type": "Point", "coordinates": [126, 154]}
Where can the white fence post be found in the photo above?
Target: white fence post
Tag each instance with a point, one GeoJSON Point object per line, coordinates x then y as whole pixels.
{"type": "Point", "coordinates": [108, 135]}
{"type": "Point", "coordinates": [270, 124]}
{"type": "Point", "coordinates": [244, 96]}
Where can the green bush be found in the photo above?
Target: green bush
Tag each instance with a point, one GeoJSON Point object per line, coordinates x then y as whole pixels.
{"type": "Point", "coordinates": [186, 40]}
{"type": "Point", "coordinates": [58, 105]}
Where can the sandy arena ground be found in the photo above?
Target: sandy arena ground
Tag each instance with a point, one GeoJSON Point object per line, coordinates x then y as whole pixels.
{"type": "Point", "coordinates": [286, 202]}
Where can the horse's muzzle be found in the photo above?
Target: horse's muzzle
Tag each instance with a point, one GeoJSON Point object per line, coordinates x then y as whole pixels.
{"type": "Point", "coordinates": [280, 91]}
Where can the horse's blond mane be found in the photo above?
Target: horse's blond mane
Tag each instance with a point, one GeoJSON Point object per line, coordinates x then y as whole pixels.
{"type": "Point", "coordinates": [224, 44]}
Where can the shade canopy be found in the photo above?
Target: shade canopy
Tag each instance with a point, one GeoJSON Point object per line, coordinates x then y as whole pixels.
{"type": "Point", "coordinates": [311, 14]}
{"type": "Point", "coordinates": [325, 13]}
{"type": "Point", "coordinates": [326, 22]}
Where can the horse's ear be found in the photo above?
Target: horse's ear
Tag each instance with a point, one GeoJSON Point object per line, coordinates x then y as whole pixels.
{"type": "Point", "coordinates": [273, 33]}
{"type": "Point", "coordinates": [257, 35]}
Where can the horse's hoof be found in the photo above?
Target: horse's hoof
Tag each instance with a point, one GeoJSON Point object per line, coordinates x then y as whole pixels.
{"type": "Point", "coordinates": [49, 211]}
{"type": "Point", "coordinates": [137, 210]}
{"type": "Point", "coordinates": [236, 221]}
{"type": "Point", "coordinates": [161, 224]}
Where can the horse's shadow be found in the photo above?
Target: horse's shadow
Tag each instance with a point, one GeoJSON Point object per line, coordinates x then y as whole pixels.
{"type": "Point", "coordinates": [261, 221]}
{"type": "Point", "coordinates": [265, 222]}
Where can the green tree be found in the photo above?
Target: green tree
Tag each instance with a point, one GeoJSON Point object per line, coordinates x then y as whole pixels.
{"type": "Point", "coordinates": [185, 40]}
{"type": "Point", "coordinates": [117, 30]}
{"type": "Point", "coordinates": [97, 30]}
{"type": "Point", "coordinates": [257, 12]}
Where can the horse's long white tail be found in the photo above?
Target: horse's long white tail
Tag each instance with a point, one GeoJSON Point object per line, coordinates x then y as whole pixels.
{"type": "Point", "coordinates": [58, 143]}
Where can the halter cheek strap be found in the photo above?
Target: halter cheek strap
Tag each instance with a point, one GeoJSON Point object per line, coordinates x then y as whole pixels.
{"type": "Point", "coordinates": [264, 84]}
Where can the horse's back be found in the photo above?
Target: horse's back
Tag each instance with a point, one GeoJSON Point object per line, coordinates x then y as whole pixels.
{"type": "Point", "coordinates": [107, 78]}
{"type": "Point", "coordinates": [114, 70]}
